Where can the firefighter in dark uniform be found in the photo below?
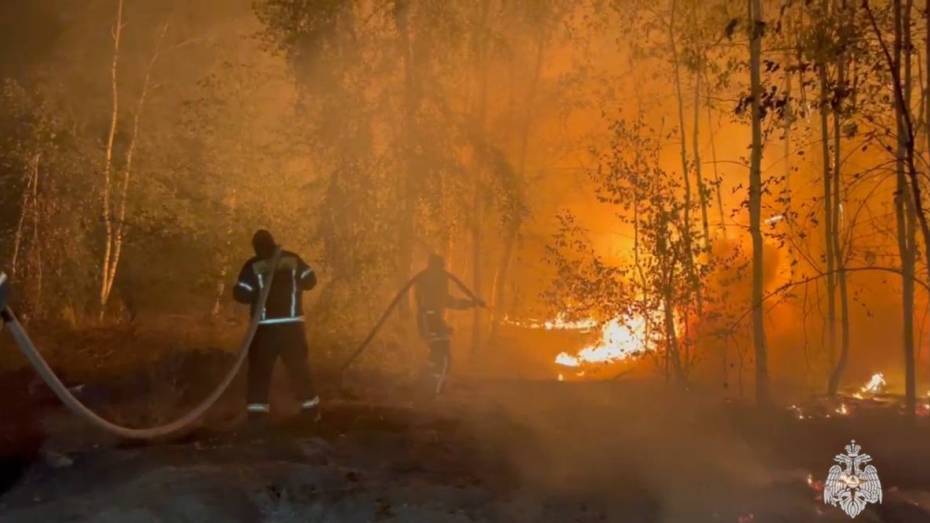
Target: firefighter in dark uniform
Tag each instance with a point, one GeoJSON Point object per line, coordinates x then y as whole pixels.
{"type": "Point", "coordinates": [432, 296]}
{"type": "Point", "coordinates": [281, 327]}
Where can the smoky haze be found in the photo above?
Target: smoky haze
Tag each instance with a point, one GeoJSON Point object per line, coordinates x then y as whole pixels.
{"type": "Point", "coordinates": [370, 134]}
{"type": "Point", "coordinates": [673, 213]}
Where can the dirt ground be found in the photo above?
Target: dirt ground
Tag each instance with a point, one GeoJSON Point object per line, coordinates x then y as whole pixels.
{"type": "Point", "coordinates": [490, 450]}
{"type": "Point", "coordinates": [503, 451]}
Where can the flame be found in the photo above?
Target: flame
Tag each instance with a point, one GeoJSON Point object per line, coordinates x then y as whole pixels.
{"type": "Point", "coordinates": [567, 360]}
{"type": "Point", "coordinates": [559, 323]}
{"type": "Point", "coordinates": [619, 340]}
{"type": "Point", "coordinates": [876, 384]}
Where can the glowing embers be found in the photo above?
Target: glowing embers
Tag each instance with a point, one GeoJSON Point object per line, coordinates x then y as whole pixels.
{"type": "Point", "coordinates": [619, 340]}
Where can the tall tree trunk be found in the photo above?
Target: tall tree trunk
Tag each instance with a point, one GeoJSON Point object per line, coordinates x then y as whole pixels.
{"type": "Point", "coordinates": [905, 197]}
{"type": "Point", "coordinates": [673, 356]}
{"type": "Point", "coordinates": [29, 210]}
{"type": "Point", "coordinates": [908, 197]}
{"type": "Point", "coordinates": [787, 120]}
{"type": "Point", "coordinates": [696, 145]}
{"type": "Point", "coordinates": [32, 179]}
{"type": "Point", "coordinates": [718, 181]}
{"type": "Point", "coordinates": [827, 201]}
{"type": "Point", "coordinates": [108, 161]}
{"type": "Point", "coordinates": [927, 97]}
{"type": "Point", "coordinates": [917, 213]}
{"type": "Point", "coordinates": [232, 201]}
{"type": "Point", "coordinates": [755, 203]}
{"type": "Point", "coordinates": [35, 248]}
{"type": "Point", "coordinates": [836, 375]}
{"type": "Point", "coordinates": [119, 227]}
{"type": "Point", "coordinates": [840, 367]}
{"type": "Point", "coordinates": [672, 345]}
{"type": "Point", "coordinates": [685, 171]}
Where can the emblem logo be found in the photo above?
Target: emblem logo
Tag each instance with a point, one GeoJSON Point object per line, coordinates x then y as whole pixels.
{"type": "Point", "coordinates": [850, 486]}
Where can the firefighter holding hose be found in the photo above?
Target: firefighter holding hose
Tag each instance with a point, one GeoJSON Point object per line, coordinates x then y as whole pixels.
{"type": "Point", "coordinates": [281, 326]}
{"type": "Point", "coordinates": [431, 290]}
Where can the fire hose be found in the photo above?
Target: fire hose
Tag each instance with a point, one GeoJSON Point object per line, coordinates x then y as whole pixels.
{"type": "Point", "coordinates": [390, 308]}
{"type": "Point", "coordinates": [82, 411]}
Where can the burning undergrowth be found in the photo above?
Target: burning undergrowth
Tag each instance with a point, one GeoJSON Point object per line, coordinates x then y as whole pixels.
{"type": "Point", "coordinates": [606, 343]}
{"type": "Point", "coordinates": [620, 340]}
{"type": "Point", "coordinates": [873, 397]}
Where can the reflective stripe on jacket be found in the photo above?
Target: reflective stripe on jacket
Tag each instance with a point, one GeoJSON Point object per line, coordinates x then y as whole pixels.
{"type": "Point", "coordinates": [292, 277]}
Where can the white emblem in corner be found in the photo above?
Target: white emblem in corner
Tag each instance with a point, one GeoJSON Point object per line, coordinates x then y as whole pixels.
{"type": "Point", "coordinates": [848, 485]}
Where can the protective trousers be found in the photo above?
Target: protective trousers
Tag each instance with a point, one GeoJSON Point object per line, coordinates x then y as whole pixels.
{"type": "Point", "coordinates": [440, 358]}
{"type": "Point", "coordinates": [288, 341]}
{"type": "Point", "coordinates": [436, 333]}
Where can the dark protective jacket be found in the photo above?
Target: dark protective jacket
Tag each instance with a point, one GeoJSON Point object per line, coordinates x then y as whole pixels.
{"type": "Point", "coordinates": [432, 295]}
{"type": "Point", "coordinates": [292, 277]}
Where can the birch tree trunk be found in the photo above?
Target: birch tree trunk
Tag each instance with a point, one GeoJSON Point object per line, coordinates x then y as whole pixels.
{"type": "Point", "coordinates": [232, 202]}
{"type": "Point", "coordinates": [108, 161]}
{"type": "Point", "coordinates": [24, 211]}
{"type": "Point", "coordinates": [119, 224]}
{"type": "Point", "coordinates": [35, 248]}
